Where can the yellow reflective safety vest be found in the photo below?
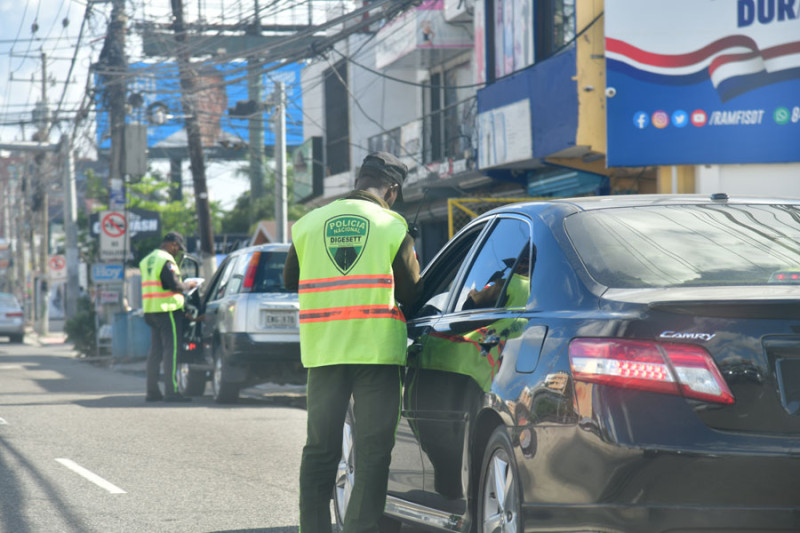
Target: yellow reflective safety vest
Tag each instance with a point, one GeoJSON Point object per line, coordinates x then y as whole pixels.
{"type": "Point", "coordinates": [348, 312]}
{"type": "Point", "coordinates": [156, 299]}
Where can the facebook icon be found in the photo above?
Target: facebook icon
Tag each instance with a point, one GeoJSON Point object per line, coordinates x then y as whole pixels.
{"type": "Point", "coordinates": [641, 120]}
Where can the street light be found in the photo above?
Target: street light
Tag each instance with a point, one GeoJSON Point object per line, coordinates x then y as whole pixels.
{"type": "Point", "coordinates": [158, 114]}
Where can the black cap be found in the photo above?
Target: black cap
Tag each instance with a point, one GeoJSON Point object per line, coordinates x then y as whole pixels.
{"type": "Point", "coordinates": [385, 165]}
{"type": "Point", "coordinates": [174, 236]}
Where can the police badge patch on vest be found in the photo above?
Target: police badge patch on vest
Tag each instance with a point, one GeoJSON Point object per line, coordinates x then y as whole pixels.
{"type": "Point", "coordinates": [345, 239]}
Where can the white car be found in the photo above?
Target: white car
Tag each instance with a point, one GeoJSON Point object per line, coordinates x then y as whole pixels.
{"type": "Point", "coordinates": [249, 327]}
{"type": "Point", "coordinates": [12, 319]}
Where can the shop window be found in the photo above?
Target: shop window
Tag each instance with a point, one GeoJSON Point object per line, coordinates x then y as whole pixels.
{"type": "Point", "coordinates": [450, 107]}
{"type": "Point", "coordinates": [522, 32]}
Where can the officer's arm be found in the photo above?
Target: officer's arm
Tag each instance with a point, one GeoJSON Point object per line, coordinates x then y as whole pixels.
{"type": "Point", "coordinates": [291, 270]}
{"type": "Point", "coordinates": [406, 273]}
{"type": "Point", "coordinates": [170, 279]}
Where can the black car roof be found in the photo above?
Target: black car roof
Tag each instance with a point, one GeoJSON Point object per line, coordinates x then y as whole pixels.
{"type": "Point", "coordinates": [589, 203]}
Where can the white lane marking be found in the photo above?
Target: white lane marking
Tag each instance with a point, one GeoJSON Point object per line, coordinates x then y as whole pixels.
{"type": "Point", "coordinates": [3, 422]}
{"type": "Point", "coordinates": [91, 476]}
{"type": "Point", "coordinates": [12, 367]}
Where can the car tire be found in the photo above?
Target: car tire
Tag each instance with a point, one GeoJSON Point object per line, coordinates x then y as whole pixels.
{"type": "Point", "coordinates": [345, 476]}
{"type": "Point", "coordinates": [191, 382]}
{"type": "Point", "coordinates": [16, 339]}
{"type": "Point", "coordinates": [499, 505]}
{"type": "Point", "coordinates": [224, 391]}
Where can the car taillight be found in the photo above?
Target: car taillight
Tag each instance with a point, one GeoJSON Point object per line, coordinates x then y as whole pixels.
{"type": "Point", "coordinates": [250, 273]}
{"type": "Point", "coordinates": [670, 368]}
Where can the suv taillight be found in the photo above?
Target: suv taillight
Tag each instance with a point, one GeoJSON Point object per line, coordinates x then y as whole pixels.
{"type": "Point", "coordinates": [671, 368]}
{"type": "Point", "coordinates": [250, 273]}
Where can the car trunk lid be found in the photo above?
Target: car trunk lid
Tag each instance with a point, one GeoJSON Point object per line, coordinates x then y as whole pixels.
{"type": "Point", "coordinates": [753, 336]}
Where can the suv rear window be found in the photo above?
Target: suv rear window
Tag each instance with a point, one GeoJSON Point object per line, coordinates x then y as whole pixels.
{"type": "Point", "coordinates": [685, 245]}
{"type": "Point", "coordinates": [269, 277]}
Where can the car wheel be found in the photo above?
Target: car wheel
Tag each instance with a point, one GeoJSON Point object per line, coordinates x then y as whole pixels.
{"type": "Point", "coordinates": [498, 500]}
{"type": "Point", "coordinates": [191, 382]}
{"type": "Point", "coordinates": [345, 476]}
{"type": "Point", "coordinates": [224, 392]}
{"type": "Point", "coordinates": [16, 339]}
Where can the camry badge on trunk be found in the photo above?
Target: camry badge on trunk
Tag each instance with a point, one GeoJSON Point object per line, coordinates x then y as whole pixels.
{"type": "Point", "coordinates": [686, 335]}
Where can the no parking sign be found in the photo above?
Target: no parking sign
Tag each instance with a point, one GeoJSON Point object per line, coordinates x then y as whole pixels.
{"type": "Point", "coordinates": [113, 236]}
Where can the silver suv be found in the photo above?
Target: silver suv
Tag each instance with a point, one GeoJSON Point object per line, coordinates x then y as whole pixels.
{"type": "Point", "coordinates": [248, 327]}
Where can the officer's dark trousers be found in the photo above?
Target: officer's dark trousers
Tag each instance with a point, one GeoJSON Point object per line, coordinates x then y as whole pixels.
{"type": "Point", "coordinates": [376, 395]}
{"type": "Point", "coordinates": [165, 337]}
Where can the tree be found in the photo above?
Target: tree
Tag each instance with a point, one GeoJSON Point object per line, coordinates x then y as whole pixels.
{"type": "Point", "coordinates": [244, 216]}
{"type": "Point", "coordinates": [153, 193]}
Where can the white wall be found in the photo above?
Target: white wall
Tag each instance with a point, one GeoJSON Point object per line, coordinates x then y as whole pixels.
{"type": "Point", "coordinates": [313, 98]}
{"type": "Point", "coordinates": [383, 104]}
{"type": "Point", "coordinates": [781, 180]}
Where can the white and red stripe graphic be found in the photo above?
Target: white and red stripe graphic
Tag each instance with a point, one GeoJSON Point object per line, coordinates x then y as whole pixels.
{"type": "Point", "coordinates": [681, 42]}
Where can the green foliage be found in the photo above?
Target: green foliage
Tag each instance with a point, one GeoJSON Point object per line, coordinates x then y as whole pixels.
{"type": "Point", "coordinates": [247, 211]}
{"type": "Point", "coordinates": [81, 330]}
{"type": "Point", "coordinates": [153, 192]}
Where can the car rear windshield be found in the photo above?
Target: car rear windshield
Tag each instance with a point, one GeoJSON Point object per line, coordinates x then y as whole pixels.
{"type": "Point", "coordinates": [270, 272]}
{"type": "Point", "coordinates": [7, 300]}
{"type": "Point", "coordinates": [680, 245]}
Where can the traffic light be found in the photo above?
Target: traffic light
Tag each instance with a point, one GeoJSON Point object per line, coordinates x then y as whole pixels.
{"type": "Point", "coordinates": [244, 108]}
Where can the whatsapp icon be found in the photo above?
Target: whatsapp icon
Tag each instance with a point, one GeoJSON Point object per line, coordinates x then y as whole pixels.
{"type": "Point", "coordinates": [781, 116]}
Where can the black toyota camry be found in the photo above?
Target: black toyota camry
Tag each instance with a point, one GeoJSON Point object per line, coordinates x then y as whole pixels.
{"type": "Point", "coordinates": [626, 364]}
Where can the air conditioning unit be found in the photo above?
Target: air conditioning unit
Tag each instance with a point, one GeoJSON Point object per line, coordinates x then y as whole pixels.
{"type": "Point", "coordinates": [458, 10]}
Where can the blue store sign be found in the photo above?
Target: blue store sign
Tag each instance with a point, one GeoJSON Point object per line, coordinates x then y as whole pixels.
{"type": "Point", "coordinates": [107, 273]}
{"type": "Point", "coordinates": [702, 82]}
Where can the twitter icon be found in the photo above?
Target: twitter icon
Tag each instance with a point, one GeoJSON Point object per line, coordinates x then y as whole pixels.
{"type": "Point", "coordinates": [680, 118]}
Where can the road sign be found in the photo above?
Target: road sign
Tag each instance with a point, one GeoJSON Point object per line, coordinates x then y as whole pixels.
{"type": "Point", "coordinates": [113, 238]}
{"type": "Point", "coordinates": [104, 273]}
{"type": "Point", "coordinates": [57, 268]}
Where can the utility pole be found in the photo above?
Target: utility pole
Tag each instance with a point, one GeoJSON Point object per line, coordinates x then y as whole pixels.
{"type": "Point", "coordinates": [196, 158]}
{"type": "Point", "coordinates": [279, 115]}
{"type": "Point", "coordinates": [44, 130]}
{"type": "Point", "coordinates": [115, 64]}
{"type": "Point", "coordinates": [70, 226]}
{"type": "Point", "coordinates": [255, 94]}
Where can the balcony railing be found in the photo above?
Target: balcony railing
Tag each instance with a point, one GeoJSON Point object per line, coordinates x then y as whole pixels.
{"type": "Point", "coordinates": [447, 133]}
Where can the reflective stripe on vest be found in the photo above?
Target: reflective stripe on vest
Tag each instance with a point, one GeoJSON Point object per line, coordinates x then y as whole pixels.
{"type": "Point", "coordinates": [348, 314]}
{"type": "Point", "coordinates": [156, 299]}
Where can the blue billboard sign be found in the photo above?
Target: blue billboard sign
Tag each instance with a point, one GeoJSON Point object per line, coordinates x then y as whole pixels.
{"type": "Point", "coordinates": [218, 88]}
{"type": "Point", "coordinates": [702, 82]}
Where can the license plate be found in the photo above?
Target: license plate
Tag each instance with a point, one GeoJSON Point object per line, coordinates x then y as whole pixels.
{"type": "Point", "coordinates": [278, 319]}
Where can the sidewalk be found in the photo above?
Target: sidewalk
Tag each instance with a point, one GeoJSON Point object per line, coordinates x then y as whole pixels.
{"type": "Point", "coordinates": [55, 334]}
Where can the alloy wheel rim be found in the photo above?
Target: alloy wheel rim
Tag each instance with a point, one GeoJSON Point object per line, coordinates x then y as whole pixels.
{"type": "Point", "coordinates": [345, 472]}
{"type": "Point", "coordinates": [500, 512]}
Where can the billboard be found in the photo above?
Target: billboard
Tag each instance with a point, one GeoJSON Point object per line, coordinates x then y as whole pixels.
{"type": "Point", "coordinates": [219, 87]}
{"type": "Point", "coordinates": [702, 82]}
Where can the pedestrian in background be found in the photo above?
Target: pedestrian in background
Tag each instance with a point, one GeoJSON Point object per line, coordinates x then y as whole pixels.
{"type": "Point", "coordinates": [162, 302]}
{"type": "Point", "coordinates": [351, 261]}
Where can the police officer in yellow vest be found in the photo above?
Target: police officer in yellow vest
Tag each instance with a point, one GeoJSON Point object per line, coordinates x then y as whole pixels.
{"type": "Point", "coordinates": [351, 262]}
{"type": "Point", "coordinates": [162, 302]}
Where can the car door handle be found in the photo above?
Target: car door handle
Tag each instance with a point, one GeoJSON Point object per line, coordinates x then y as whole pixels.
{"type": "Point", "coordinates": [489, 342]}
{"type": "Point", "coordinates": [415, 348]}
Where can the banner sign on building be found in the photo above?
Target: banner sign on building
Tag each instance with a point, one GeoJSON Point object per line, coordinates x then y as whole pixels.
{"type": "Point", "coordinates": [702, 81]}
